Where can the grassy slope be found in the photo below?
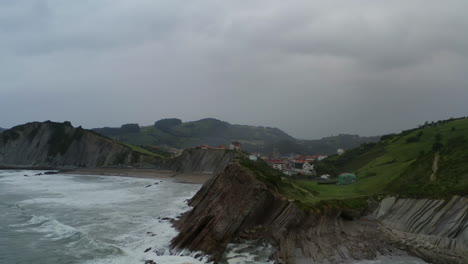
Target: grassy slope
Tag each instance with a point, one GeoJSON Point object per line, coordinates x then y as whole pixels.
{"type": "Point", "coordinates": [297, 192]}
{"type": "Point", "coordinates": [214, 132]}
{"type": "Point", "coordinates": [394, 166]}
{"type": "Point", "coordinates": [142, 150]}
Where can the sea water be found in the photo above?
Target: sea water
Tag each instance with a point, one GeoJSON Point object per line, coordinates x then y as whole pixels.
{"type": "Point", "coordinates": [68, 219]}
{"type": "Point", "coordinates": [48, 219]}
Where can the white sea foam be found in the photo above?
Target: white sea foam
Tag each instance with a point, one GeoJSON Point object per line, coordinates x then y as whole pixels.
{"type": "Point", "coordinates": [249, 252]}
{"type": "Point", "coordinates": [121, 211]}
{"type": "Point", "coordinates": [392, 260]}
{"type": "Point", "coordinates": [105, 220]}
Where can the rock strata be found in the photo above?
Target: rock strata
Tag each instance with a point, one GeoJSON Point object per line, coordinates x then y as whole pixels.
{"type": "Point", "coordinates": [235, 205]}
{"type": "Point", "coordinates": [435, 230]}
{"type": "Point", "coordinates": [60, 145]}
{"type": "Point", "coordinates": [202, 160]}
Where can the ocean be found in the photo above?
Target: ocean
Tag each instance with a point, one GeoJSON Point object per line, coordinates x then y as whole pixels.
{"type": "Point", "coordinates": [75, 219]}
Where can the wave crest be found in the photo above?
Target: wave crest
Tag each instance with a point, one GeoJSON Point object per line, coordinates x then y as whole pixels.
{"type": "Point", "coordinates": [70, 236]}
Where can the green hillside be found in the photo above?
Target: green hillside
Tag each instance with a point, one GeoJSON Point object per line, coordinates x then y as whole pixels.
{"type": "Point", "coordinates": [175, 133]}
{"type": "Point", "coordinates": [403, 164]}
{"type": "Point", "coordinates": [400, 164]}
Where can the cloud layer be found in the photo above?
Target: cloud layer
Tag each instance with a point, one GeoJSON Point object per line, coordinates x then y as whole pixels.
{"type": "Point", "coordinates": [311, 68]}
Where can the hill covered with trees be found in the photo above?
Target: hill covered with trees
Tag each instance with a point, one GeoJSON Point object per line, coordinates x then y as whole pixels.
{"type": "Point", "coordinates": [175, 133]}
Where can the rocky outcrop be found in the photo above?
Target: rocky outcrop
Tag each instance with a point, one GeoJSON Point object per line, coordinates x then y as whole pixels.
{"type": "Point", "coordinates": [59, 145]}
{"type": "Point", "coordinates": [203, 160]}
{"type": "Point", "coordinates": [235, 205]}
{"type": "Point", "coordinates": [436, 230]}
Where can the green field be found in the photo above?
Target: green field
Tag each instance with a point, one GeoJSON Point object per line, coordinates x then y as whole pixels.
{"type": "Point", "coordinates": [402, 164]}
{"type": "Point", "coordinates": [397, 165]}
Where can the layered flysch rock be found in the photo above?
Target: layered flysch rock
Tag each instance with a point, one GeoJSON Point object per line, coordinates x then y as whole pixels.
{"type": "Point", "coordinates": [203, 160]}
{"type": "Point", "coordinates": [58, 145]}
{"type": "Point", "coordinates": [436, 230]}
{"type": "Point", "coordinates": [235, 205]}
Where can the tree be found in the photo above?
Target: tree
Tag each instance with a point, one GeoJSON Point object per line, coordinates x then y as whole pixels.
{"type": "Point", "coordinates": [130, 128]}
{"type": "Point", "coordinates": [437, 146]}
{"type": "Point", "coordinates": [167, 123]}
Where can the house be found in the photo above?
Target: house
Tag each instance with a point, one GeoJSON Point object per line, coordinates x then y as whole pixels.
{"type": "Point", "coordinates": [340, 151]}
{"type": "Point", "coordinates": [297, 164]}
{"type": "Point", "coordinates": [204, 147]}
{"type": "Point", "coordinates": [303, 166]}
{"type": "Point", "coordinates": [253, 157]}
{"type": "Point", "coordinates": [221, 147]}
{"type": "Point", "coordinates": [235, 145]}
{"type": "Point", "coordinates": [321, 157]}
{"type": "Point", "coordinates": [308, 166]}
{"type": "Point", "coordinates": [277, 164]}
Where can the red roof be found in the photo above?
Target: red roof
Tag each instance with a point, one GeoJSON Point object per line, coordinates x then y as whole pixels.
{"type": "Point", "coordinates": [299, 161]}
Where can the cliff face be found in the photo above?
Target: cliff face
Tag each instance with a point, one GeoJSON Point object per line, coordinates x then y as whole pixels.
{"type": "Point", "coordinates": [433, 229]}
{"type": "Point", "coordinates": [203, 160]}
{"type": "Point", "coordinates": [235, 205]}
{"type": "Point", "coordinates": [52, 144]}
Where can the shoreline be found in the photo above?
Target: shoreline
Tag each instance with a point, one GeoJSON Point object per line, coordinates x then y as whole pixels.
{"type": "Point", "coordinates": [193, 178]}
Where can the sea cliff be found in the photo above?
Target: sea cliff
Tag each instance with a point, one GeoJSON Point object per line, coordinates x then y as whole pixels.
{"type": "Point", "coordinates": [202, 160]}
{"type": "Point", "coordinates": [235, 205]}
{"type": "Point", "coordinates": [59, 145]}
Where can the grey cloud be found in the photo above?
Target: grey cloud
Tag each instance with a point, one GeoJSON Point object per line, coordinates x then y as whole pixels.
{"type": "Point", "coordinates": [312, 68]}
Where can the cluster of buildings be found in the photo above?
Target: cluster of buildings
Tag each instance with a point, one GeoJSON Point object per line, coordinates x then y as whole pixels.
{"type": "Point", "coordinates": [295, 165]}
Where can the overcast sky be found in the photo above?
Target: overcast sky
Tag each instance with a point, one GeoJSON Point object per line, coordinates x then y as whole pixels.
{"type": "Point", "coordinates": [311, 68]}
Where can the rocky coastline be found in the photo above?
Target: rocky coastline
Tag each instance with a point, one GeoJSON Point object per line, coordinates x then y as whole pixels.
{"type": "Point", "coordinates": [235, 206]}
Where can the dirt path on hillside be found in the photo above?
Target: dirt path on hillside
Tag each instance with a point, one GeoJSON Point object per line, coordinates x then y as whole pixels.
{"type": "Point", "coordinates": [435, 167]}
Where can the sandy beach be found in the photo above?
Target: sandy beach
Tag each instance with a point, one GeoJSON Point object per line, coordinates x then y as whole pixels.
{"type": "Point", "coordinates": [197, 178]}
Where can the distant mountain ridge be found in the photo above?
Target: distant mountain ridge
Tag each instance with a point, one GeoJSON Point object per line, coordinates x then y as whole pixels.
{"type": "Point", "coordinates": [209, 131]}
{"type": "Point", "coordinates": [2, 129]}
{"type": "Point", "coordinates": [51, 144]}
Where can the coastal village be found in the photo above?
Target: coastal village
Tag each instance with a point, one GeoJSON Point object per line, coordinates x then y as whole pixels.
{"type": "Point", "coordinates": [296, 164]}
{"type": "Point", "coordinates": [293, 165]}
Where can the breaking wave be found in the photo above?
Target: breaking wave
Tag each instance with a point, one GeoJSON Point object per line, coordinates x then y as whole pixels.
{"type": "Point", "coordinates": [81, 242]}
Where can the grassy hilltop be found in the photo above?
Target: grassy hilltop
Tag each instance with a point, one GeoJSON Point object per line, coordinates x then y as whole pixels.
{"type": "Point", "coordinates": [430, 161]}
{"type": "Point", "coordinates": [426, 162]}
{"type": "Point", "coordinates": [209, 131]}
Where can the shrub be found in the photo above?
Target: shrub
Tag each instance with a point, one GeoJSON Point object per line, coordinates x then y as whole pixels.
{"type": "Point", "coordinates": [437, 146]}
{"type": "Point", "coordinates": [130, 128]}
{"type": "Point", "coordinates": [167, 123]}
